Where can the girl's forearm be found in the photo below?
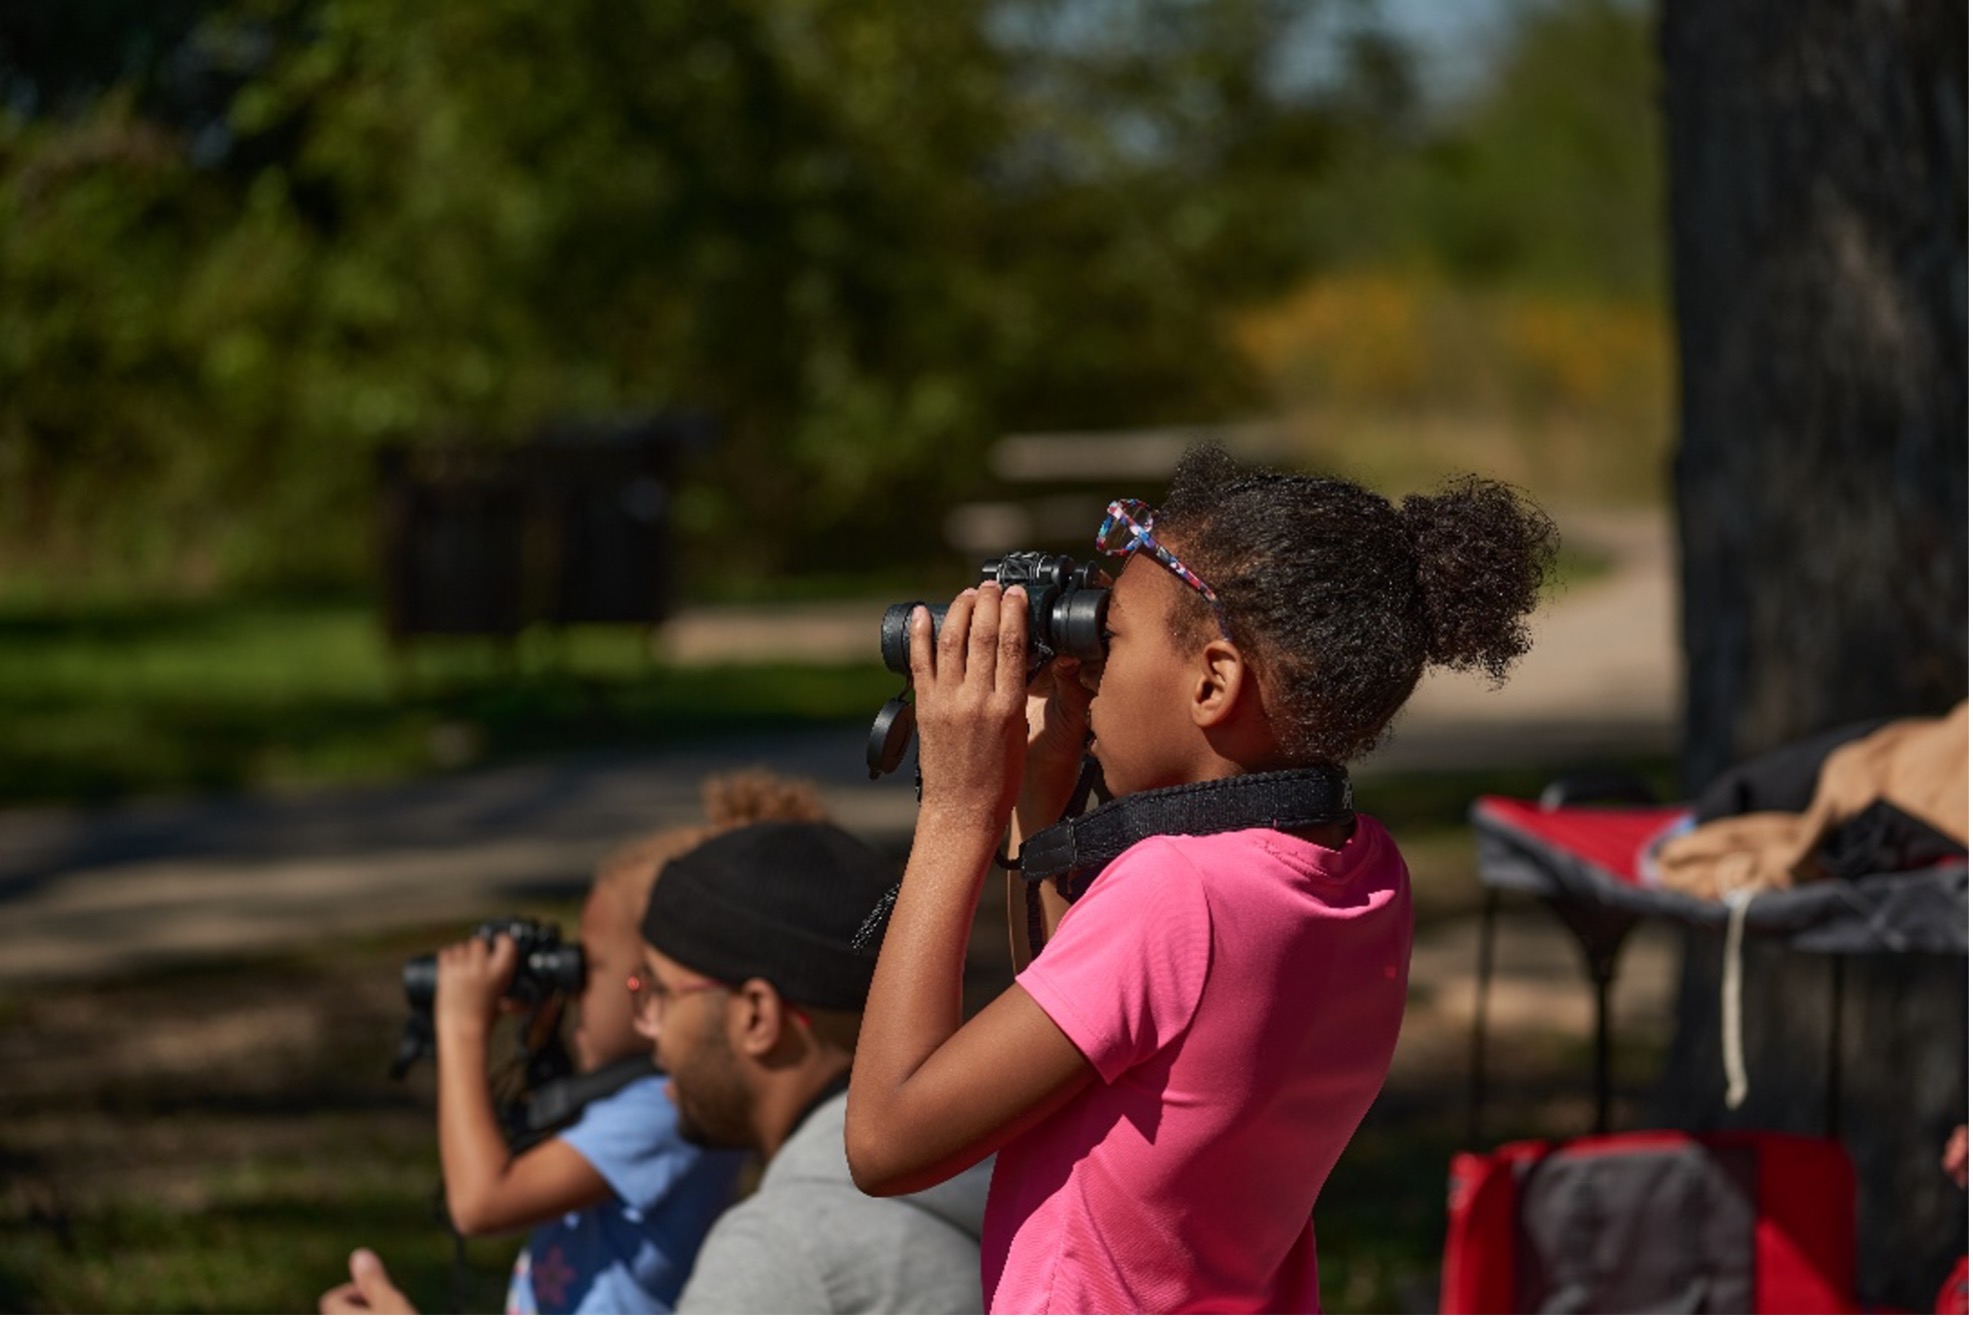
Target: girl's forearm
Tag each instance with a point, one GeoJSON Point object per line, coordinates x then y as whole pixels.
{"type": "Point", "coordinates": [471, 1150]}
{"type": "Point", "coordinates": [916, 993]}
{"type": "Point", "coordinates": [929, 1096]}
{"type": "Point", "coordinates": [915, 1003]}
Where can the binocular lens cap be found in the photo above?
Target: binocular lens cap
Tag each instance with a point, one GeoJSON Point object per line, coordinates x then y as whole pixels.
{"type": "Point", "coordinates": [890, 735]}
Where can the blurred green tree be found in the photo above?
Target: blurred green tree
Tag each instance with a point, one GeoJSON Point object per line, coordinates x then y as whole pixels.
{"type": "Point", "coordinates": [242, 249]}
{"type": "Point", "coordinates": [1547, 174]}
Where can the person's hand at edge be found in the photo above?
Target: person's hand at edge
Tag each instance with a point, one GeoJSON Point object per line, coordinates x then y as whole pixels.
{"type": "Point", "coordinates": [368, 1292]}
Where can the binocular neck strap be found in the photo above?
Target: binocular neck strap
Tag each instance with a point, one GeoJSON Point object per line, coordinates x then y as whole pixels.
{"type": "Point", "coordinates": [555, 1104]}
{"type": "Point", "coordinates": [1073, 851]}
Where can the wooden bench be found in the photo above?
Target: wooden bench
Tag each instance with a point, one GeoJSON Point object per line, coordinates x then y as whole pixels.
{"type": "Point", "coordinates": [1050, 487]}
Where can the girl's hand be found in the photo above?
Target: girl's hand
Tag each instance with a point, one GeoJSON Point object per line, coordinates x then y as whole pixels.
{"type": "Point", "coordinates": [972, 696]}
{"type": "Point", "coordinates": [472, 976]}
{"type": "Point", "coordinates": [1058, 735]}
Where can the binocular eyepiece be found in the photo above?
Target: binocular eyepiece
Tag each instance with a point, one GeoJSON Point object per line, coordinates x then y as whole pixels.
{"type": "Point", "coordinates": [1067, 604]}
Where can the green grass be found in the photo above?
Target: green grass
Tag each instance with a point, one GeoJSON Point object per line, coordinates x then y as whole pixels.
{"type": "Point", "coordinates": [224, 1169]}
{"type": "Point", "coordinates": [116, 700]}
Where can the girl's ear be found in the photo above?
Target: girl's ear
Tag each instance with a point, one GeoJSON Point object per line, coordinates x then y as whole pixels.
{"type": "Point", "coordinates": [1221, 680]}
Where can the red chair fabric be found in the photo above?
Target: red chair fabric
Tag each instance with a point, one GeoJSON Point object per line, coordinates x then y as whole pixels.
{"type": "Point", "coordinates": [1952, 1296]}
{"type": "Point", "coordinates": [1734, 1222]}
{"type": "Point", "coordinates": [1608, 837]}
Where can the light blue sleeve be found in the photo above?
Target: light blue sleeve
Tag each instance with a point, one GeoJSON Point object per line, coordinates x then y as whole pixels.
{"type": "Point", "coordinates": [631, 1139]}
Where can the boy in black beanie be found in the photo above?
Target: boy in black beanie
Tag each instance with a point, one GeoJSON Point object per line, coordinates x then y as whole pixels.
{"type": "Point", "coordinates": [752, 991]}
{"type": "Point", "coordinates": [753, 994]}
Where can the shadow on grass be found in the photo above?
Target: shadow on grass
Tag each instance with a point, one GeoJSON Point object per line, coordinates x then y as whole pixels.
{"type": "Point", "coordinates": [254, 1254]}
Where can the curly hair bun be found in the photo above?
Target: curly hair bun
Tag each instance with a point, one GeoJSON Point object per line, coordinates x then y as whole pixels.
{"type": "Point", "coordinates": [1341, 599]}
{"type": "Point", "coordinates": [1483, 553]}
{"type": "Point", "coordinates": [747, 797]}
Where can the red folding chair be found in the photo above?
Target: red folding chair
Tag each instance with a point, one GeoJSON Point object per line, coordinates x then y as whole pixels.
{"type": "Point", "coordinates": [1736, 1222]}
{"type": "Point", "coordinates": [1666, 1221]}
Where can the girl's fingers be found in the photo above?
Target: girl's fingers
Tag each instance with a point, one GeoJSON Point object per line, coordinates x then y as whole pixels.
{"type": "Point", "coordinates": [984, 639]}
{"type": "Point", "coordinates": [928, 652]}
{"type": "Point", "coordinates": [504, 957]}
{"type": "Point", "coordinates": [950, 664]}
{"type": "Point", "coordinates": [1051, 676]}
{"type": "Point", "coordinates": [918, 632]}
{"type": "Point", "coordinates": [1011, 676]}
{"type": "Point", "coordinates": [983, 636]}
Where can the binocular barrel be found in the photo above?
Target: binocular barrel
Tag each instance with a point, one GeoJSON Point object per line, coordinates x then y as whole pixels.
{"type": "Point", "coordinates": [1070, 623]}
{"type": "Point", "coordinates": [540, 973]}
{"type": "Point", "coordinates": [1067, 605]}
{"type": "Point", "coordinates": [894, 634]}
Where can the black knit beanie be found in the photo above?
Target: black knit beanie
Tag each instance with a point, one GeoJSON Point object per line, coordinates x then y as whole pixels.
{"type": "Point", "coordinates": [781, 900]}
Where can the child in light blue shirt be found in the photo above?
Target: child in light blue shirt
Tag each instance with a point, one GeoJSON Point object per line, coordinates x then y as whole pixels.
{"type": "Point", "coordinates": [629, 1254]}
{"type": "Point", "coordinates": [617, 1203]}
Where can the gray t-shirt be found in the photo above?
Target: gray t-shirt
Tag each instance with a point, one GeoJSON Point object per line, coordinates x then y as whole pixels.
{"type": "Point", "coordinates": [808, 1242]}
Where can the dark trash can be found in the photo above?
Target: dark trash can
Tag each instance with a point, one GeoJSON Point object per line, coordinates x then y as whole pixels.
{"type": "Point", "coordinates": [572, 526]}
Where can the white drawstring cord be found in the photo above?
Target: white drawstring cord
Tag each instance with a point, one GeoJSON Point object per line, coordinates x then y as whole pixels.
{"type": "Point", "coordinates": [1731, 1043]}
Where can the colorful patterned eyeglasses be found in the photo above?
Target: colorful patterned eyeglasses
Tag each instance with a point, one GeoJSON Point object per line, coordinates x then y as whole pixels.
{"type": "Point", "coordinates": [1126, 529]}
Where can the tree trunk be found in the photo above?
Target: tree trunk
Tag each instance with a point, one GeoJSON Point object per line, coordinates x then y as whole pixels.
{"type": "Point", "coordinates": [1818, 212]}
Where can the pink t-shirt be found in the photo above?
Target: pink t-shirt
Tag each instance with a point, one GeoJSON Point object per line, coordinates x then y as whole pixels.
{"type": "Point", "coordinates": [1239, 995]}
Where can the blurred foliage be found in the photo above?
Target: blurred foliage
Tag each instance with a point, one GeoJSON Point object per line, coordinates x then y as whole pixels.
{"type": "Point", "coordinates": [1399, 379]}
{"type": "Point", "coordinates": [1497, 301]}
{"type": "Point", "coordinates": [1394, 341]}
{"type": "Point", "coordinates": [1548, 175]}
{"type": "Point", "coordinates": [246, 243]}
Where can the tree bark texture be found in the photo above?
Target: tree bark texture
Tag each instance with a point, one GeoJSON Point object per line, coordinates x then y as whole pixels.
{"type": "Point", "coordinates": [1818, 215]}
{"type": "Point", "coordinates": [1818, 184]}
